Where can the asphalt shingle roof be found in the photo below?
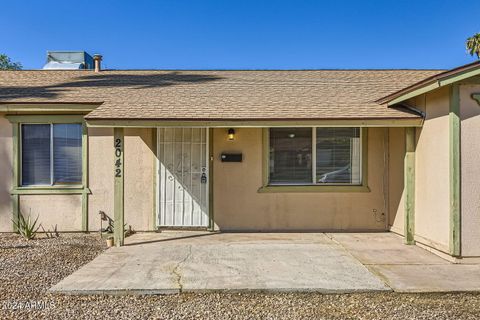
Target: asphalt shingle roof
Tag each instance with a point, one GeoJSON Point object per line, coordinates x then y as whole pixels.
{"type": "Point", "coordinates": [216, 95]}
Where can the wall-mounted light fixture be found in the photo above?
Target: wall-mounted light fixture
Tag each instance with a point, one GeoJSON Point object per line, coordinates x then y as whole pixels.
{"type": "Point", "coordinates": [231, 134]}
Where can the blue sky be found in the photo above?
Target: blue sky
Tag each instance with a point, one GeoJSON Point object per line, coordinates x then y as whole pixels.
{"type": "Point", "coordinates": [243, 34]}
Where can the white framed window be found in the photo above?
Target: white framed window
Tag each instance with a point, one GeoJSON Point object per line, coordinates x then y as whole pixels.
{"type": "Point", "coordinates": [315, 156]}
{"type": "Point", "coordinates": [51, 154]}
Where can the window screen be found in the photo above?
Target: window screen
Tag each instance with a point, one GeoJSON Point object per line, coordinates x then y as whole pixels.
{"type": "Point", "coordinates": [290, 155]}
{"type": "Point", "coordinates": [51, 154]}
{"type": "Point", "coordinates": [338, 155]}
{"type": "Point", "coordinates": [67, 153]}
{"type": "Point", "coordinates": [36, 154]}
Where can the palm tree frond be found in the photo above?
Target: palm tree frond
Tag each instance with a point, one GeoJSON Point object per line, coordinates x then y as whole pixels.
{"type": "Point", "coordinates": [473, 45]}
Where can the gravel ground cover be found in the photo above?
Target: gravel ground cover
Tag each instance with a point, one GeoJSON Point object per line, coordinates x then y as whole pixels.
{"type": "Point", "coordinates": [29, 268]}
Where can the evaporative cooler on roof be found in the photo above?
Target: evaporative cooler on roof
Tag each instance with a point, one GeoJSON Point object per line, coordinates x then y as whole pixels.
{"type": "Point", "coordinates": [68, 60]}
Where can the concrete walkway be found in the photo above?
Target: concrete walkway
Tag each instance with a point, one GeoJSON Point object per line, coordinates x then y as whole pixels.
{"type": "Point", "coordinates": [171, 262]}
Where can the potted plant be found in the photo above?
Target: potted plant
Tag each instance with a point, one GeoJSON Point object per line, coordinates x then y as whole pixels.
{"type": "Point", "coordinates": [110, 242]}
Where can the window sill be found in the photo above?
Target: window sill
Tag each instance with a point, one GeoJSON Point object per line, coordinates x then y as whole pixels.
{"type": "Point", "coordinates": [51, 190]}
{"type": "Point", "coordinates": [313, 188]}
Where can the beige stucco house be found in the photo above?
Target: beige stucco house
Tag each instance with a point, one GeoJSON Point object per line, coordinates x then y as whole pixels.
{"type": "Point", "coordinates": [312, 150]}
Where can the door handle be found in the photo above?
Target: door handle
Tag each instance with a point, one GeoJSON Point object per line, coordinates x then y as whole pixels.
{"type": "Point", "coordinates": [203, 179]}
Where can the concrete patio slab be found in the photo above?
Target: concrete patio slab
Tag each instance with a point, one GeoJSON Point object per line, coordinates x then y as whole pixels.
{"type": "Point", "coordinates": [431, 278]}
{"type": "Point", "coordinates": [384, 248]}
{"type": "Point", "coordinates": [408, 268]}
{"type": "Point", "coordinates": [171, 262]}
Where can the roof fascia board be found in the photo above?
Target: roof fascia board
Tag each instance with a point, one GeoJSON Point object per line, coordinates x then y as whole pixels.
{"type": "Point", "coordinates": [410, 122]}
{"type": "Point", "coordinates": [436, 84]}
{"type": "Point", "coordinates": [414, 93]}
{"type": "Point", "coordinates": [46, 108]}
{"type": "Point", "coordinates": [459, 77]}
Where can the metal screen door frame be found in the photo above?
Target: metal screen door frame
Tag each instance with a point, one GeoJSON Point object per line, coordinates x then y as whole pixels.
{"type": "Point", "coordinates": [161, 221]}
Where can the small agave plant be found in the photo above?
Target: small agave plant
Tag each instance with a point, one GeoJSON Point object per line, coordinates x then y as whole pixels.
{"type": "Point", "coordinates": [26, 227]}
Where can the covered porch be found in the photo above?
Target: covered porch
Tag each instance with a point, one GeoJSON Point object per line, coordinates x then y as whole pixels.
{"type": "Point", "coordinates": [236, 194]}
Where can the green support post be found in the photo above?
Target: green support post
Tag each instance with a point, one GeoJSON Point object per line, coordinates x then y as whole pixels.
{"type": "Point", "coordinates": [118, 208]}
{"type": "Point", "coordinates": [154, 178]}
{"type": "Point", "coordinates": [454, 159]}
{"type": "Point", "coordinates": [15, 182]}
{"type": "Point", "coordinates": [84, 177]}
{"type": "Point", "coordinates": [211, 222]}
{"type": "Point", "coordinates": [409, 181]}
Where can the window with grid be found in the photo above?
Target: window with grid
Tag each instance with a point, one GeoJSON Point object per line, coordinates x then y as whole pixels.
{"type": "Point", "coordinates": [320, 156]}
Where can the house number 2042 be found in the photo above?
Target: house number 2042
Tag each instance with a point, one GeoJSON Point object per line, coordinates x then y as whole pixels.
{"type": "Point", "coordinates": [118, 158]}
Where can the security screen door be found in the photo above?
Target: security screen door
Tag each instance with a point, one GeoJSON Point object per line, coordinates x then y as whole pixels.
{"type": "Point", "coordinates": [182, 177]}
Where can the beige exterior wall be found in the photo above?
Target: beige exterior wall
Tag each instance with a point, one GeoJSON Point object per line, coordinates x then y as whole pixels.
{"type": "Point", "coordinates": [139, 176]}
{"type": "Point", "coordinates": [396, 213]}
{"type": "Point", "coordinates": [238, 205]}
{"type": "Point", "coordinates": [6, 174]}
{"type": "Point", "coordinates": [470, 171]}
{"type": "Point", "coordinates": [432, 188]}
{"type": "Point", "coordinates": [100, 175]}
{"type": "Point", "coordinates": [63, 211]}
